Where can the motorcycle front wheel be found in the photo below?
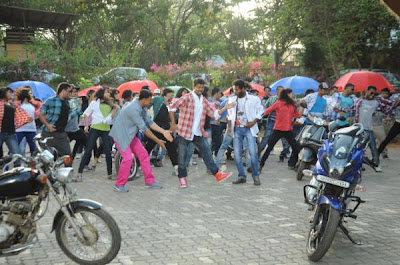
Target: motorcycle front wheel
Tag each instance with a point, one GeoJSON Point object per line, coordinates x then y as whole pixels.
{"type": "Point", "coordinates": [302, 165]}
{"type": "Point", "coordinates": [102, 237]}
{"type": "Point", "coordinates": [320, 239]}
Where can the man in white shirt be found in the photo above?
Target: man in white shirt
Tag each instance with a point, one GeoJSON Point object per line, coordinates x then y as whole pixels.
{"type": "Point", "coordinates": [242, 124]}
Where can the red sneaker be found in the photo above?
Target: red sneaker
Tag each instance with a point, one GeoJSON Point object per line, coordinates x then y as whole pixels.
{"type": "Point", "coordinates": [183, 182]}
{"type": "Point", "coordinates": [221, 176]}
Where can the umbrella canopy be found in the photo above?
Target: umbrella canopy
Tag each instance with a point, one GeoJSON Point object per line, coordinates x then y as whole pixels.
{"type": "Point", "coordinates": [299, 84]}
{"type": "Point", "coordinates": [257, 87]}
{"type": "Point", "coordinates": [40, 90]}
{"type": "Point", "coordinates": [362, 79]}
{"type": "Point", "coordinates": [84, 92]}
{"type": "Point", "coordinates": [136, 86]}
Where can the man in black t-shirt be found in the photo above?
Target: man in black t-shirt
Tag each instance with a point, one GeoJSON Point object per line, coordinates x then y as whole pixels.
{"type": "Point", "coordinates": [54, 115]}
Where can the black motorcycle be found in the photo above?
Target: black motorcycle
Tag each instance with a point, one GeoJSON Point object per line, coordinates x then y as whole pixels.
{"type": "Point", "coordinates": [308, 139]}
{"type": "Point", "coordinates": [85, 232]}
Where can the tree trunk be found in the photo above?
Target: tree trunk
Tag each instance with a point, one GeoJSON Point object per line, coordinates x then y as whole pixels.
{"type": "Point", "coordinates": [331, 59]}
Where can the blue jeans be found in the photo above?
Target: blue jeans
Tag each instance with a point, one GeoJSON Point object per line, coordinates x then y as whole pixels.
{"type": "Point", "coordinates": [12, 144]}
{"type": "Point", "coordinates": [11, 141]}
{"type": "Point", "coordinates": [29, 139]}
{"type": "Point", "coordinates": [240, 135]}
{"type": "Point", "coordinates": [189, 154]}
{"type": "Point", "coordinates": [372, 146]}
{"type": "Point", "coordinates": [225, 145]}
{"type": "Point", "coordinates": [204, 149]}
{"type": "Point", "coordinates": [222, 149]}
{"type": "Point", "coordinates": [269, 128]}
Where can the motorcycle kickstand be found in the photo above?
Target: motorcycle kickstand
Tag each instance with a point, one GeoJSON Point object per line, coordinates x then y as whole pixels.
{"type": "Point", "coordinates": [346, 232]}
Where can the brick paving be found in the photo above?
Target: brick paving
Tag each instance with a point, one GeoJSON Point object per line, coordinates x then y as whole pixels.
{"type": "Point", "coordinates": [211, 223]}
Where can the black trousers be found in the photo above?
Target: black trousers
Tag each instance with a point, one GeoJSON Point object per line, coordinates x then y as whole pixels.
{"type": "Point", "coordinates": [171, 147]}
{"type": "Point", "coordinates": [60, 142]}
{"type": "Point", "coordinates": [91, 142]}
{"type": "Point", "coordinates": [275, 137]}
{"type": "Point", "coordinates": [80, 140]}
{"type": "Point", "coordinates": [217, 136]}
{"type": "Point", "coordinates": [393, 132]}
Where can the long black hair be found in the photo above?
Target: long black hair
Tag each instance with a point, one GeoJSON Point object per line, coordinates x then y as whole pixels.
{"type": "Point", "coordinates": [284, 96]}
{"type": "Point", "coordinates": [100, 95]}
{"type": "Point", "coordinates": [180, 92]}
{"type": "Point", "coordinates": [24, 94]}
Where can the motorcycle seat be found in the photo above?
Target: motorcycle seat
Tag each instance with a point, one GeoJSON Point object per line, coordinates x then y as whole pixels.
{"type": "Point", "coordinates": [350, 131]}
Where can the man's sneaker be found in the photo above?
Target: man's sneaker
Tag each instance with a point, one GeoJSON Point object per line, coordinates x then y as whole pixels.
{"type": "Point", "coordinates": [183, 182]}
{"type": "Point", "coordinates": [78, 156]}
{"type": "Point", "coordinates": [121, 188]}
{"type": "Point", "coordinates": [257, 182]}
{"type": "Point", "coordinates": [153, 185]}
{"type": "Point", "coordinates": [77, 179]}
{"type": "Point", "coordinates": [378, 169]}
{"type": "Point", "coordinates": [194, 160]}
{"type": "Point", "coordinates": [221, 176]}
{"type": "Point", "coordinates": [239, 181]}
{"type": "Point", "coordinates": [175, 173]}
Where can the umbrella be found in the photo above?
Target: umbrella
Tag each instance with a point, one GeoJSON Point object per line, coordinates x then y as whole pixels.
{"type": "Point", "coordinates": [84, 92]}
{"type": "Point", "coordinates": [136, 86]}
{"type": "Point", "coordinates": [299, 84]}
{"type": "Point", "coordinates": [40, 90]}
{"type": "Point", "coordinates": [175, 89]}
{"type": "Point", "coordinates": [362, 79]}
{"type": "Point", "coordinates": [257, 87]}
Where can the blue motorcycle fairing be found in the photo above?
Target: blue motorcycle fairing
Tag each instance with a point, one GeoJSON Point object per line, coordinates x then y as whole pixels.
{"type": "Point", "coordinates": [332, 201]}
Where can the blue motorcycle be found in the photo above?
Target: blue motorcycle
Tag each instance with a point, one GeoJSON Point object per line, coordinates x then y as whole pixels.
{"type": "Point", "coordinates": [334, 180]}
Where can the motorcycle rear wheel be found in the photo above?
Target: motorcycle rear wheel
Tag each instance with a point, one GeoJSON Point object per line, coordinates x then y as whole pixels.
{"type": "Point", "coordinates": [134, 167]}
{"type": "Point", "coordinates": [320, 239]}
{"type": "Point", "coordinates": [95, 234]}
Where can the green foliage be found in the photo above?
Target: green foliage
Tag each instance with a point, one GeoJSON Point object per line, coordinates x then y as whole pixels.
{"type": "Point", "coordinates": [335, 34]}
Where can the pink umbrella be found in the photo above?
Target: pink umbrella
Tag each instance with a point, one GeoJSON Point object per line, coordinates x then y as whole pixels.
{"type": "Point", "coordinates": [84, 92]}
{"type": "Point", "coordinates": [136, 86]}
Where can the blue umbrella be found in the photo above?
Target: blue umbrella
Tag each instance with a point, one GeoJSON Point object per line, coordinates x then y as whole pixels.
{"type": "Point", "coordinates": [299, 84]}
{"type": "Point", "coordinates": [40, 90]}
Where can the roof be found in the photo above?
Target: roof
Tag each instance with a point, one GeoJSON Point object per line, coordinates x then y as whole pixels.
{"type": "Point", "coordinates": [31, 18]}
{"type": "Point", "coordinates": [393, 5]}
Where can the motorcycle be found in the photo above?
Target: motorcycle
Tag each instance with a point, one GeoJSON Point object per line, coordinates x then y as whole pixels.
{"type": "Point", "coordinates": [335, 179]}
{"type": "Point", "coordinates": [307, 139]}
{"type": "Point", "coordinates": [85, 232]}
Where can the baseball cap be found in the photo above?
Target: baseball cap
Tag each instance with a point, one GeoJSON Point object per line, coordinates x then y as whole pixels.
{"type": "Point", "coordinates": [323, 86]}
{"type": "Point", "coordinates": [157, 91]}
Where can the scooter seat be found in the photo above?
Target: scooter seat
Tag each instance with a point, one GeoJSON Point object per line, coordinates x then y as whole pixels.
{"type": "Point", "coordinates": [350, 131]}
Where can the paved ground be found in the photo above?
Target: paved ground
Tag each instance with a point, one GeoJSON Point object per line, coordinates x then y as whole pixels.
{"type": "Point", "coordinates": [226, 224]}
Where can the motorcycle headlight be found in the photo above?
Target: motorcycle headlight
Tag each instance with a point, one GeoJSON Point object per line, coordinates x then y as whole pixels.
{"type": "Point", "coordinates": [47, 156]}
{"type": "Point", "coordinates": [65, 174]}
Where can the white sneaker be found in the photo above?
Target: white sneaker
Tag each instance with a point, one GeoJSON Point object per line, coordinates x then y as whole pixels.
{"type": "Point", "coordinates": [378, 169]}
{"type": "Point", "coordinates": [194, 161]}
{"type": "Point", "coordinates": [175, 173]}
{"type": "Point", "coordinates": [78, 156]}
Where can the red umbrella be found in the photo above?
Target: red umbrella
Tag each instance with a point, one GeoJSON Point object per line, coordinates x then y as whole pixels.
{"type": "Point", "coordinates": [136, 86]}
{"type": "Point", "coordinates": [362, 79]}
{"type": "Point", "coordinates": [84, 92]}
{"type": "Point", "coordinates": [257, 87]}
